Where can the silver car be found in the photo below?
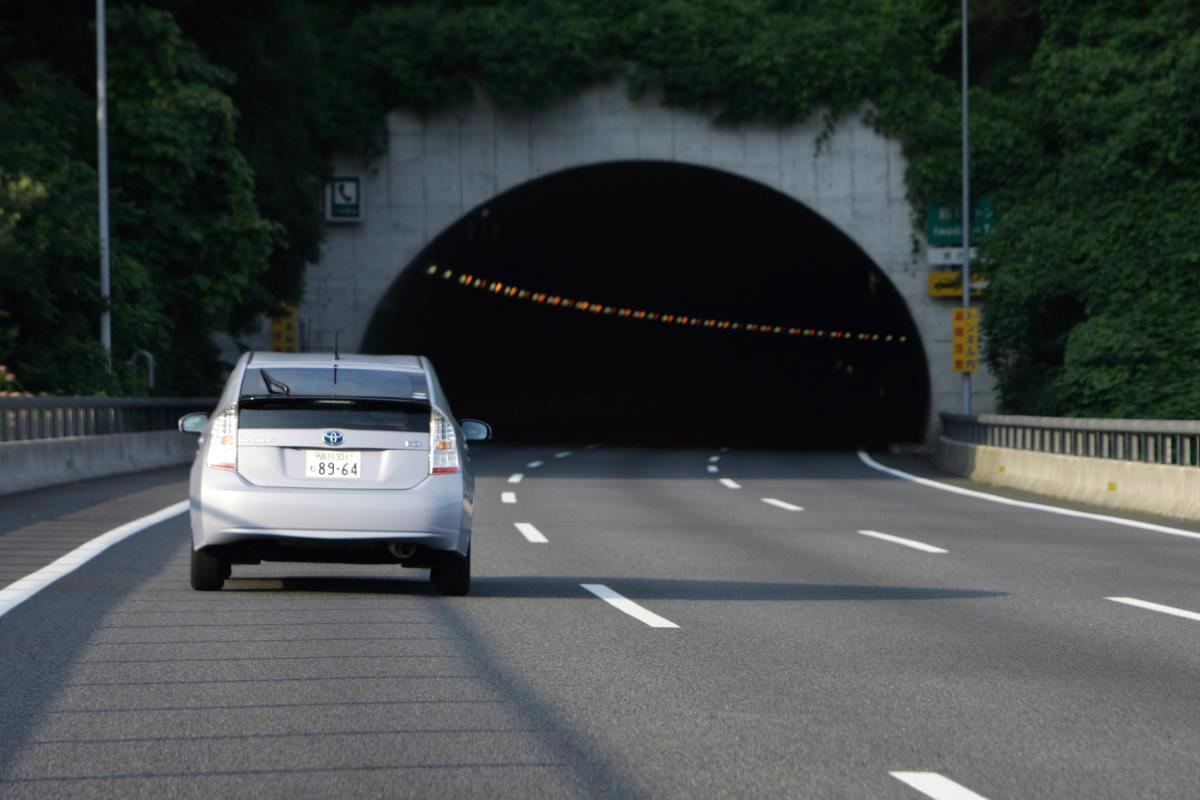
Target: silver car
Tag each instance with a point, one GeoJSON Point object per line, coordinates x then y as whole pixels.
{"type": "Point", "coordinates": [332, 458]}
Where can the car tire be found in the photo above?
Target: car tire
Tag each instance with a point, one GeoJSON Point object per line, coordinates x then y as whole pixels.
{"type": "Point", "coordinates": [208, 571]}
{"type": "Point", "coordinates": [451, 575]}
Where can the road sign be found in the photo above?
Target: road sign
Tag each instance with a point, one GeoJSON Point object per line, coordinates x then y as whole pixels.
{"type": "Point", "coordinates": [948, 256]}
{"type": "Point", "coordinates": [965, 340]}
{"type": "Point", "coordinates": [343, 199]}
{"type": "Point", "coordinates": [948, 283]}
{"type": "Point", "coordinates": [283, 331]}
{"type": "Point", "coordinates": [943, 222]}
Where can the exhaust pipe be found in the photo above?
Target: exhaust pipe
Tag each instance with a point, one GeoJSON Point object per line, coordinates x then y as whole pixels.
{"type": "Point", "coordinates": [402, 550]}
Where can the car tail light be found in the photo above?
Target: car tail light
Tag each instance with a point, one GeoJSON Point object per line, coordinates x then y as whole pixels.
{"type": "Point", "coordinates": [443, 445]}
{"type": "Point", "coordinates": [222, 442]}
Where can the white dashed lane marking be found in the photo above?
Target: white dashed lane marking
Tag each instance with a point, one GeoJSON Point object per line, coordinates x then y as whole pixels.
{"type": "Point", "coordinates": [939, 787]}
{"type": "Point", "coordinates": [771, 501]}
{"type": "Point", "coordinates": [629, 607]}
{"type": "Point", "coordinates": [730, 484]}
{"type": "Point", "coordinates": [713, 459]}
{"type": "Point", "coordinates": [530, 532]}
{"type": "Point", "coordinates": [712, 468]}
{"type": "Point", "coordinates": [516, 477]}
{"type": "Point", "coordinates": [915, 545]}
{"type": "Point", "coordinates": [535, 464]}
{"type": "Point", "coordinates": [563, 454]}
{"type": "Point", "coordinates": [508, 497]}
{"type": "Point", "coordinates": [1174, 612]}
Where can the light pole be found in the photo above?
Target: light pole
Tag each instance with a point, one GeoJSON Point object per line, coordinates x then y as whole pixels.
{"type": "Point", "coordinates": [966, 202]}
{"type": "Point", "coordinates": [102, 148]}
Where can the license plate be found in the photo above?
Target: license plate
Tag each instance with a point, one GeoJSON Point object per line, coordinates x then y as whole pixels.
{"type": "Point", "coordinates": [340, 464]}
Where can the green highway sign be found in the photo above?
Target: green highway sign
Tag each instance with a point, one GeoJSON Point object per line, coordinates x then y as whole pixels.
{"type": "Point", "coordinates": [943, 222]}
{"type": "Point", "coordinates": [343, 199]}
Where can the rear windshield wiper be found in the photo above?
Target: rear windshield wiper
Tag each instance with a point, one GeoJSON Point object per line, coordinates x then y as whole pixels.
{"type": "Point", "coordinates": [274, 386]}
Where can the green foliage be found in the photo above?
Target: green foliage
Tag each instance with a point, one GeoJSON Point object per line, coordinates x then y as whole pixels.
{"type": "Point", "coordinates": [1096, 271]}
{"type": "Point", "coordinates": [271, 49]}
{"type": "Point", "coordinates": [188, 243]}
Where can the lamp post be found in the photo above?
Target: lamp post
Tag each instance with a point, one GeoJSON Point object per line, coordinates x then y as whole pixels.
{"type": "Point", "coordinates": [102, 173]}
{"type": "Point", "coordinates": [966, 202]}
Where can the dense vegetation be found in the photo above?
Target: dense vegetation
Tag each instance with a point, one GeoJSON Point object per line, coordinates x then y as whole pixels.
{"type": "Point", "coordinates": [224, 115]}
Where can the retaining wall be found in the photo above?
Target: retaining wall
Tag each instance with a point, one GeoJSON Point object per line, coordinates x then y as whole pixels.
{"type": "Point", "coordinates": [49, 462]}
{"type": "Point", "coordinates": [1125, 485]}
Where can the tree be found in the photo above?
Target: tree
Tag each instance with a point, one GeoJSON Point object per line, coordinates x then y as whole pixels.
{"type": "Point", "coordinates": [188, 243]}
{"type": "Point", "coordinates": [1096, 271]}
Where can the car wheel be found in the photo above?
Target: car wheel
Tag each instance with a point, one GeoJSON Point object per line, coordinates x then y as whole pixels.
{"type": "Point", "coordinates": [208, 571]}
{"type": "Point", "coordinates": [452, 574]}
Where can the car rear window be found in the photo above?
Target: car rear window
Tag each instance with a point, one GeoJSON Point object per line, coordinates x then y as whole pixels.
{"type": "Point", "coordinates": [410, 416]}
{"type": "Point", "coordinates": [331, 382]}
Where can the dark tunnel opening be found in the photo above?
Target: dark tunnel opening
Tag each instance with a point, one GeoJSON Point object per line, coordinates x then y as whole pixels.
{"type": "Point", "coordinates": [793, 337]}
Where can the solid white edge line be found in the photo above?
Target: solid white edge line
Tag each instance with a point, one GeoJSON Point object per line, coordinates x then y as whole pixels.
{"type": "Point", "coordinates": [563, 454]}
{"type": "Point", "coordinates": [622, 603]}
{"type": "Point", "coordinates": [516, 477]}
{"type": "Point", "coordinates": [730, 484]}
{"type": "Point", "coordinates": [712, 468]}
{"type": "Point", "coordinates": [22, 589]}
{"type": "Point", "coordinates": [939, 787]}
{"type": "Point", "coordinates": [1175, 612]}
{"type": "Point", "coordinates": [887, 537]}
{"type": "Point", "coordinates": [771, 501]}
{"type": "Point", "coordinates": [995, 498]}
{"type": "Point", "coordinates": [531, 533]}
{"type": "Point", "coordinates": [713, 459]}
{"type": "Point", "coordinates": [508, 497]}
{"type": "Point", "coordinates": [535, 464]}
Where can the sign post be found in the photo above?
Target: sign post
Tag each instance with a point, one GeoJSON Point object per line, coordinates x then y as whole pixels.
{"type": "Point", "coordinates": [966, 217]}
{"type": "Point", "coordinates": [102, 175]}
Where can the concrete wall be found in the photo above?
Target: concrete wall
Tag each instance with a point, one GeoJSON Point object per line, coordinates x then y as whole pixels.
{"type": "Point", "coordinates": [440, 168]}
{"type": "Point", "coordinates": [50, 462]}
{"type": "Point", "coordinates": [1125, 485]}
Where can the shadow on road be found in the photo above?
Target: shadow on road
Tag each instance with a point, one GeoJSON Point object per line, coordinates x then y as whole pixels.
{"type": "Point", "coordinates": [568, 586]}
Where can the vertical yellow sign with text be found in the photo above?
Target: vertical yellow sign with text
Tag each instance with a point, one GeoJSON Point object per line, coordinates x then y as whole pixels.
{"type": "Point", "coordinates": [283, 331]}
{"type": "Point", "coordinates": [965, 340]}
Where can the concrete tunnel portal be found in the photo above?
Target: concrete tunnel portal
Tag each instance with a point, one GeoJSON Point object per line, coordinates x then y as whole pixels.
{"type": "Point", "coordinates": [646, 301]}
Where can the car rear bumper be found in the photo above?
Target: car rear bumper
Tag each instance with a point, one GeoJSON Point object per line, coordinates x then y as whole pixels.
{"type": "Point", "coordinates": [227, 509]}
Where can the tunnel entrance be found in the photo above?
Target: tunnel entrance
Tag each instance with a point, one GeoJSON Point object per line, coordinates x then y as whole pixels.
{"type": "Point", "coordinates": [642, 302]}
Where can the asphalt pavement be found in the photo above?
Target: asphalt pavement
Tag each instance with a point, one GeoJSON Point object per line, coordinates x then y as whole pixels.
{"type": "Point", "coordinates": [642, 623]}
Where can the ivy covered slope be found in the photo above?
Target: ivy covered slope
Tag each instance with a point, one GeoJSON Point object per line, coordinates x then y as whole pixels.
{"type": "Point", "coordinates": [1093, 307]}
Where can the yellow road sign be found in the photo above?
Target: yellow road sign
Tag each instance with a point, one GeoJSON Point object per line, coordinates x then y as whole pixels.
{"type": "Point", "coordinates": [964, 352]}
{"type": "Point", "coordinates": [283, 331]}
{"type": "Point", "coordinates": [948, 283]}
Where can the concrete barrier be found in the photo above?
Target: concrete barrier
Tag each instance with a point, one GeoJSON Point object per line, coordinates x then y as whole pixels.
{"type": "Point", "coordinates": [1160, 489]}
{"type": "Point", "coordinates": [49, 462]}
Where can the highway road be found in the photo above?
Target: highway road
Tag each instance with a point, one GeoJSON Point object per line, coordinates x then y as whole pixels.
{"type": "Point", "coordinates": [642, 623]}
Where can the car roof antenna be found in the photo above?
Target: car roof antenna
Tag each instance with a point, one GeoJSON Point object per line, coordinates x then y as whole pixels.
{"type": "Point", "coordinates": [336, 355]}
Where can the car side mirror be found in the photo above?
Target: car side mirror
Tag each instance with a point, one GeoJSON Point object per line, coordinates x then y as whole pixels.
{"type": "Point", "coordinates": [476, 431]}
{"type": "Point", "coordinates": [193, 423]}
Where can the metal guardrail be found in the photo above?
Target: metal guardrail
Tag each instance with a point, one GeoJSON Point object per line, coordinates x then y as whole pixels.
{"type": "Point", "coordinates": [1151, 441]}
{"type": "Point", "coordinates": [28, 418]}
